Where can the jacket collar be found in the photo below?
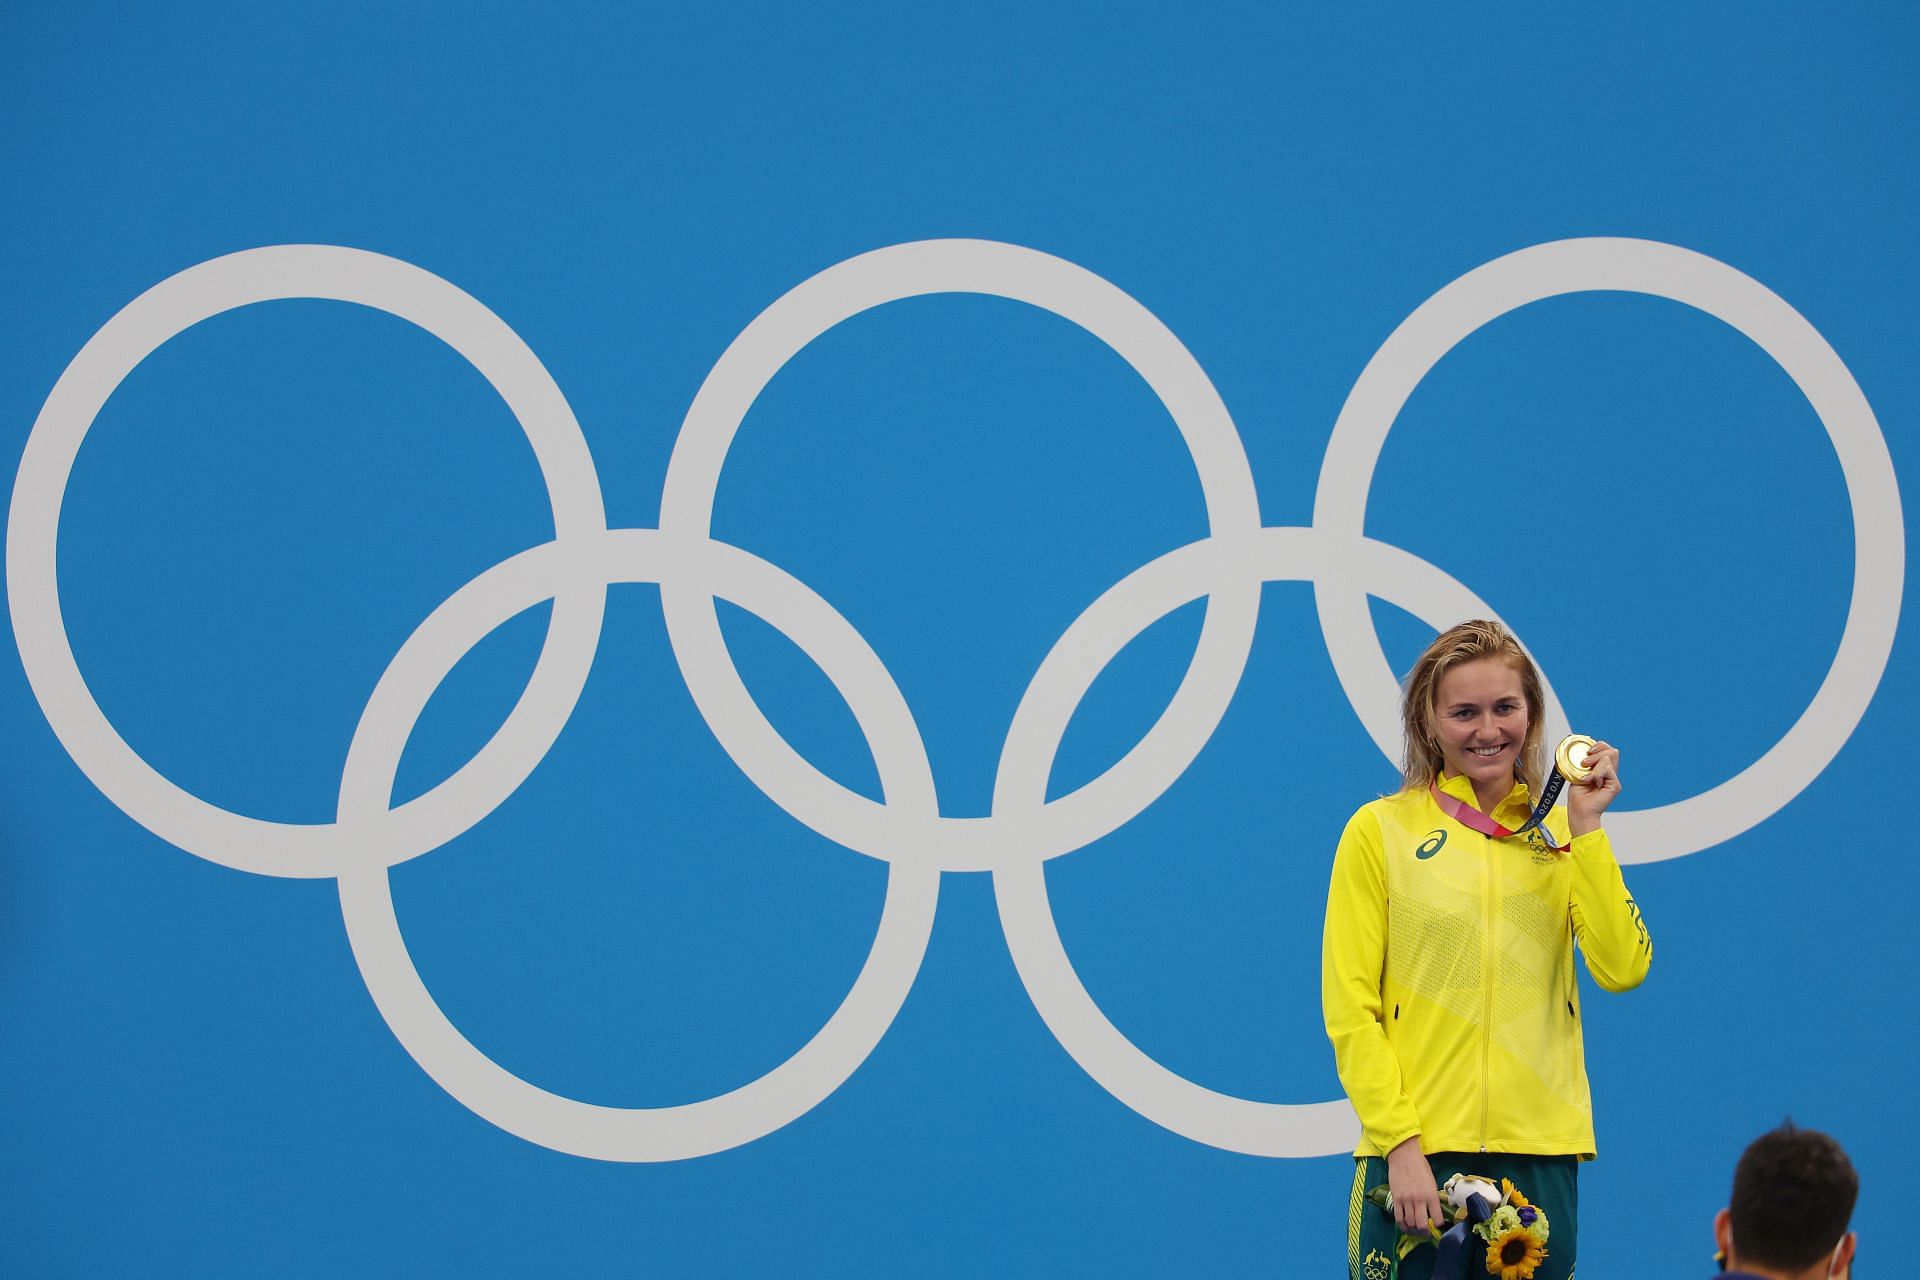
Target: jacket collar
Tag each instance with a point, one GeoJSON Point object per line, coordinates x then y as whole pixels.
{"type": "Point", "coordinates": [1517, 800]}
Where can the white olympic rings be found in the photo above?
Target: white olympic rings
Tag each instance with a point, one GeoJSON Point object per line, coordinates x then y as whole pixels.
{"type": "Point", "coordinates": [905, 828]}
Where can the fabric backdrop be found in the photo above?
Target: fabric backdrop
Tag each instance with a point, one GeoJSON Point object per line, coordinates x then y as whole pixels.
{"type": "Point", "coordinates": [765, 938]}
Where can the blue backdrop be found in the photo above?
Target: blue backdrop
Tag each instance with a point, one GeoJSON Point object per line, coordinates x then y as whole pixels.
{"type": "Point", "coordinates": [271, 502]}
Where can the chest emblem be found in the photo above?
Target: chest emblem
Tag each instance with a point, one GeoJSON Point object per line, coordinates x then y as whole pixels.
{"type": "Point", "coordinates": [1542, 850]}
{"type": "Point", "coordinates": [1431, 845]}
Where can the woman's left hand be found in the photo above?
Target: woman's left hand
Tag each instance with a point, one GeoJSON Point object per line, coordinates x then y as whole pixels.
{"type": "Point", "coordinates": [1588, 798]}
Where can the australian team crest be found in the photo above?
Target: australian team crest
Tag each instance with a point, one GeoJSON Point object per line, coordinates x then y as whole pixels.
{"type": "Point", "coordinates": [1538, 844]}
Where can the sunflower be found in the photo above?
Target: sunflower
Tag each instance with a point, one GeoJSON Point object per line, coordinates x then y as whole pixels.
{"type": "Point", "coordinates": [1513, 1196]}
{"type": "Point", "coordinates": [1514, 1256]}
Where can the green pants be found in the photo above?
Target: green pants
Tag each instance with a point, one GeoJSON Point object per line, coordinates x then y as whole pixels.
{"type": "Point", "coordinates": [1551, 1182]}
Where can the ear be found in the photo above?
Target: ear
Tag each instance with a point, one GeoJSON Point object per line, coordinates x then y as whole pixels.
{"type": "Point", "coordinates": [1843, 1258]}
{"type": "Point", "coordinates": [1723, 1234]}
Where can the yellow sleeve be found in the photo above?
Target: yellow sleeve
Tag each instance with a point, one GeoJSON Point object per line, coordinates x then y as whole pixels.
{"type": "Point", "coordinates": [1353, 952]}
{"type": "Point", "coordinates": [1606, 919]}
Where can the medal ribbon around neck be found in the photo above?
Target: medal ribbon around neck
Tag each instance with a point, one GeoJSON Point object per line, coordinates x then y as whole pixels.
{"type": "Point", "coordinates": [1569, 761]}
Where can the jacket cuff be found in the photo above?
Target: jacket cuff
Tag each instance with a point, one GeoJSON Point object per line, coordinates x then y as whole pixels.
{"type": "Point", "coordinates": [1592, 843]}
{"type": "Point", "coordinates": [1393, 1140]}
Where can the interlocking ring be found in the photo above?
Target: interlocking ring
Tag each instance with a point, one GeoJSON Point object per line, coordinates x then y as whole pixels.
{"type": "Point", "coordinates": [904, 828]}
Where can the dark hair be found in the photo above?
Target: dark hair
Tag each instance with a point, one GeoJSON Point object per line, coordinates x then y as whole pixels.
{"type": "Point", "coordinates": [1793, 1194]}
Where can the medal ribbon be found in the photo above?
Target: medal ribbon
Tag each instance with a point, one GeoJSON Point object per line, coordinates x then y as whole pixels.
{"type": "Point", "coordinates": [1468, 816]}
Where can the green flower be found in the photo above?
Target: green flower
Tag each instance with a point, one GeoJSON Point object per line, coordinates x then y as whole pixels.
{"type": "Point", "coordinates": [1506, 1218]}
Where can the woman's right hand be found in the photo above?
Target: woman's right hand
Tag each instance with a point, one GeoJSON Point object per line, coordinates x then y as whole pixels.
{"type": "Point", "coordinates": [1416, 1197]}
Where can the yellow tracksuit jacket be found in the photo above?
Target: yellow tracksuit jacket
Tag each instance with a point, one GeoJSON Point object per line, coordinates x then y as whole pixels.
{"type": "Point", "coordinates": [1447, 975]}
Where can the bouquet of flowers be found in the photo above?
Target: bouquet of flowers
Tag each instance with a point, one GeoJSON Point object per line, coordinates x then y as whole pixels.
{"type": "Point", "coordinates": [1496, 1224]}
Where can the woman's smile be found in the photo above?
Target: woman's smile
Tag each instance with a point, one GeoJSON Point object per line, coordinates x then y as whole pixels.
{"type": "Point", "coordinates": [1480, 718]}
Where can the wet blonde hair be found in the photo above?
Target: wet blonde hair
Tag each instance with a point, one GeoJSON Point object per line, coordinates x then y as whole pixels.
{"type": "Point", "coordinates": [1468, 642]}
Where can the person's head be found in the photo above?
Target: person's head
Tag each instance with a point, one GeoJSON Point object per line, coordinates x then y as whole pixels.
{"type": "Point", "coordinates": [1473, 704]}
{"type": "Point", "coordinates": [1793, 1194]}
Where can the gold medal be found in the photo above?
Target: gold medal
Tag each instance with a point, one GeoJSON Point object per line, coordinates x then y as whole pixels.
{"type": "Point", "coordinates": [1570, 757]}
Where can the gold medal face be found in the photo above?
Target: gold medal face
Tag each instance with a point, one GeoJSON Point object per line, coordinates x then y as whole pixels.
{"type": "Point", "coordinates": [1571, 756]}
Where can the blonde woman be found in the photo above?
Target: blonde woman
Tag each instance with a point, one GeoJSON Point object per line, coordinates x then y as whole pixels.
{"type": "Point", "coordinates": [1447, 977]}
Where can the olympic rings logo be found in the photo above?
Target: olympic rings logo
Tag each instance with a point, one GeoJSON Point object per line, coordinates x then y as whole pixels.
{"type": "Point", "coordinates": [905, 829]}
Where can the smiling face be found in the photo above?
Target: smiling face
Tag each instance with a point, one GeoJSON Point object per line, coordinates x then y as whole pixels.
{"type": "Point", "coordinates": [1480, 717]}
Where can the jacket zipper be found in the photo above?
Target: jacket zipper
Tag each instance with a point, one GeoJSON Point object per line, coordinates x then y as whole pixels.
{"type": "Point", "coordinates": [1487, 954]}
